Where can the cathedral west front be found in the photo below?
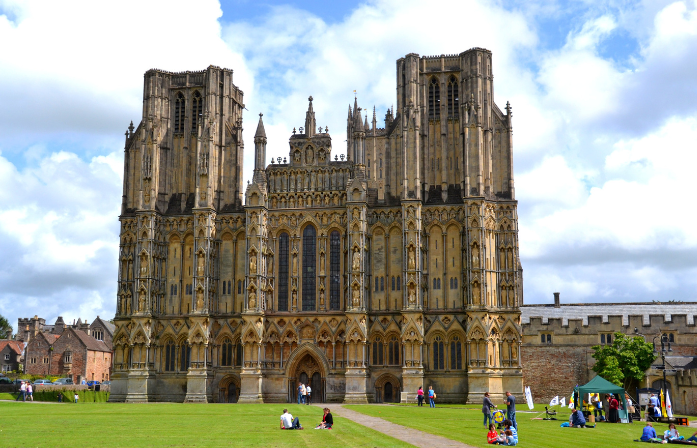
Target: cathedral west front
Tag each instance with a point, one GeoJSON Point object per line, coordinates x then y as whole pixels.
{"type": "Point", "coordinates": [365, 273]}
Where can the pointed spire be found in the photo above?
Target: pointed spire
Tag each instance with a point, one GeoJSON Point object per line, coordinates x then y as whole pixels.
{"type": "Point", "coordinates": [355, 104]}
{"type": "Point", "coordinates": [349, 113]}
{"type": "Point", "coordinates": [310, 125]}
{"type": "Point", "coordinates": [261, 132]}
{"type": "Point", "coordinates": [365, 125]}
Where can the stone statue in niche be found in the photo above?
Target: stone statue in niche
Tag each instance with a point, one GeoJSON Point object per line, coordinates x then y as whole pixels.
{"type": "Point", "coordinates": [309, 156]}
{"type": "Point", "coordinates": [146, 193]}
{"type": "Point", "coordinates": [128, 306]}
{"type": "Point", "coordinates": [412, 294]}
{"type": "Point", "coordinates": [296, 156]}
{"type": "Point", "coordinates": [294, 296]}
{"type": "Point", "coordinates": [252, 299]}
{"type": "Point", "coordinates": [411, 264]}
{"type": "Point", "coordinates": [356, 214]}
{"type": "Point", "coordinates": [269, 266]}
{"type": "Point", "coordinates": [199, 300]}
{"type": "Point", "coordinates": [141, 301]}
{"type": "Point", "coordinates": [321, 298]}
{"type": "Point", "coordinates": [295, 264]}
{"type": "Point", "coordinates": [475, 256]}
{"type": "Point", "coordinates": [253, 264]}
{"type": "Point", "coordinates": [356, 296]}
{"type": "Point", "coordinates": [200, 268]}
{"type": "Point", "coordinates": [321, 263]}
{"type": "Point", "coordinates": [476, 294]}
{"type": "Point", "coordinates": [356, 264]}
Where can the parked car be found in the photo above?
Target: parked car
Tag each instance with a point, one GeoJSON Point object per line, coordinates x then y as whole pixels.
{"type": "Point", "coordinates": [20, 381]}
{"type": "Point", "coordinates": [92, 383]}
{"type": "Point", "coordinates": [41, 382]}
{"type": "Point", "coordinates": [106, 383]}
{"type": "Point", "coordinates": [6, 380]}
{"type": "Point", "coordinates": [63, 381]}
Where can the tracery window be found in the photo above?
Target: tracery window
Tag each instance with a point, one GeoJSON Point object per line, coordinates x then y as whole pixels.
{"type": "Point", "coordinates": [283, 243]}
{"type": "Point", "coordinates": [309, 264]}
{"type": "Point", "coordinates": [377, 352]}
{"type": "Point", "coordinates": [196, 110]}
{"type": "Point", "coordinates": [455, 353]}
{"type": "Point", "coordinates": [185, 357]}
{"type": "Point", "coordinates": [170, 356]}
{"type": "Point", "coordinates": [434, 99]}
{"type": "Point", "coordinates": [226, 353]}
{"type": "Point", "coordinates": [453, 97]}
{"type": "Point", "coordinates": [393, 351]}
{"type": "Point", "coordinates": [224, 285]}
{"type": "Point", "coordinates": [238, 354]}
{"type": "Point", "coordinates": [179, 113]}
{"type": "Point", "coordinates": [438, 355]}
{"type": "Point", "coordinates": [399, 283]}
{"type": "Point", "coordinates": [334, 267]}
{"type": "Point", "coordinates": [393, 283]}
{"type": "Point", "coordinates": [382, 283]}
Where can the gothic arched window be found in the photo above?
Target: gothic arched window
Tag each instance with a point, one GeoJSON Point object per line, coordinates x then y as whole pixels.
{"type": "Point", "coordinates": [309, 271]}
{"type": "Point", "coordinates": [455, 353]}
{"type": "Point", "coordinates": [179, 113]}
{"type": "Point", "coordinates": [438, 355]}
{"type": "Point", "coordinates": [453, 97]}
{"type": "Point", "coordinates": [170, 356]}
{"type": "Point", "coordinates": [226, 353]}
{"type": "Point", "coordinates": [399, 283]}
{"type": "Point", "coordinates": [196, 110]}
{"type": "Point", "coordinates": [283, 243]}
{"type": "Point", "coordinates": [433, 98]}
{"type": "Point", "coordinates": [185, 357]}
{"type": "Point", "coordinates": [377, 352]}
{"type": "Point", "coordinates": [393, 351]}
{"type": "Point", "coordinates": [334, 267]}
{"type": "Point", "coordinates": [238, 354]}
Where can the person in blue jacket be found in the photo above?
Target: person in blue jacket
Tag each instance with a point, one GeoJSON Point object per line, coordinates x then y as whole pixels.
{"type": "Point", "coordinates": [577, 419]}
{"type": "Point", "coordinates": [649, 433]}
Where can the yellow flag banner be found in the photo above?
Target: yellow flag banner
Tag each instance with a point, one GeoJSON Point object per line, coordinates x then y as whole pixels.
{"type": "Point", "coordinates": [663, 405]}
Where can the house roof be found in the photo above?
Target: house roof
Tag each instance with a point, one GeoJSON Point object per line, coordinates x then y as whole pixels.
{"type": "Point", "coordinates": [16, 346]}
{"type": "Point", "coordinates": [90, 342]}
{"type": "Point", "coordinates": [108, 326]}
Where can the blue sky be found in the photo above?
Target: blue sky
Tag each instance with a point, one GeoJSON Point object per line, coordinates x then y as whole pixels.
{"type": "Point", "coordinates": [604, 96]}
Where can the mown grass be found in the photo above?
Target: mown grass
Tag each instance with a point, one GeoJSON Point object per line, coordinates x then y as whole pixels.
{"type": "Point", "coordinates": [464, 423]}
{"type": "Point", "coordinates": [48, 425]}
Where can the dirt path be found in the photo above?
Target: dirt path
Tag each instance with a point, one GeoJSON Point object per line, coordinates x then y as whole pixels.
{"type": "Point", "coordinates": [409, 435]}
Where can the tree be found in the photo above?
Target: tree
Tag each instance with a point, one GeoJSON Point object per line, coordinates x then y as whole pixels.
{"type": "Point", "coordinates": [5, 327]}
{"type": "Point", "coordinates": [625, 361]}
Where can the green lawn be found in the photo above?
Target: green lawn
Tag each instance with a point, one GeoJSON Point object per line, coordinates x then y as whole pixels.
{"type": "Point", "coordinates": [464, 423]}
{"type": "Point", "coordinates": [174, 425]}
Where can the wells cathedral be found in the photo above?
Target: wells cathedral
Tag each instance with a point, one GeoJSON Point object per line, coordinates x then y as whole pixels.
{"type": "Point", "coordinates": [365, 274]}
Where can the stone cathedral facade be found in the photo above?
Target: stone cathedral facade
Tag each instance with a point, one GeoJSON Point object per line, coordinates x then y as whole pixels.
{"type": "Point", "coordinates": [366, 275]}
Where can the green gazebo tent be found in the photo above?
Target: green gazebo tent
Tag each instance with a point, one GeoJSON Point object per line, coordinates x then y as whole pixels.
{"type": "Point", "coordinates": [600, 385]}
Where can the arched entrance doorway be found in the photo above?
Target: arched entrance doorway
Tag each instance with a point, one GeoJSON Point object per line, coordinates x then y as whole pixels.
{"type": "Point", "coordinates": [387, 389]}
{"type": "Point", "coordinates": [229, 390]}
{"type": "Point", "coordinates": [307, 371]}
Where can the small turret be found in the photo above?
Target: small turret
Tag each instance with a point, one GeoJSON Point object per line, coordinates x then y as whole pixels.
{"type": "Point", "coordinates": [310, 124]}
{"type": "Point", "coordinates": [259, 152]}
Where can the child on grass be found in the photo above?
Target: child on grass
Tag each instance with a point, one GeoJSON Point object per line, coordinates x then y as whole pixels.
{"type": "Point", "coordinates": [492, 436]}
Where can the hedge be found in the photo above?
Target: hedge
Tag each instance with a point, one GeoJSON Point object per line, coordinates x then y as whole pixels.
{"type": "Point", "coordinates": [86, 396]}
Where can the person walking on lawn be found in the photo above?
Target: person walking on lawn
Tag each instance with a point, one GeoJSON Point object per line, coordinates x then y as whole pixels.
{"type": "Point", "coordinates": [420, 395]}
{"type": "Point", "coordinates": [309, 395]}
{"type": "Point", "coordinates": [487, 405]}
{"type": "Point", "coordinates": [431, 397]}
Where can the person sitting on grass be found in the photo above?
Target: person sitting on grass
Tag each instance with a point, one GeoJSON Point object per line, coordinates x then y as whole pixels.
{"type": "Point", "coordinates": [492, 436]}
{"type": "Point", "coordinates": [577, 419]}
{"type": "Point", "coordinates": [693, 438]}
{"type": "Point", "coordinates": [287, 421]}
{"type": "Point", "coordinates": [672, 433]}
{"type": "Point", "coordinates": [327, 420]}
{"type": "Point", "coordinates": [649, 434]}
{"type": "Point", "coordinates": [510, 440]}
{"type": "Point", "coordinates": [508, 425]}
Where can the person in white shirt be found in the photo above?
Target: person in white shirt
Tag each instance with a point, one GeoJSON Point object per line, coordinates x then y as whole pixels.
{"type": "Point", "coordinates": [309, 394]}
{"type": "Point", "coordinates": [304, 394]}
{"type": "Point", "coordinates": [288, 422]}
{"type": "Point", "coordinates": [30, 391]}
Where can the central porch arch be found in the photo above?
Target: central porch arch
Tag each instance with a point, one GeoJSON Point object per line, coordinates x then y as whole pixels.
{"type": "Point", "coordinates": [307, 364]}
{"type": "Point", "coordinates": [229, 389]}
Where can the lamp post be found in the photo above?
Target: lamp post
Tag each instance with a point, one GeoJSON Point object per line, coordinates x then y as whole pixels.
{"type": "Point", "coordinates": [664, 342]}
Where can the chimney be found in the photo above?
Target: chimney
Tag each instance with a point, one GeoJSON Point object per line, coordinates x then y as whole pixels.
{"type": "Point", "coordinates": [556, 300]}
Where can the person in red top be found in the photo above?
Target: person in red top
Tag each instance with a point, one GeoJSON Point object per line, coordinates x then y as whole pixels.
{"type": "Point", "coordinates": [614, 405]}
{"type": "Point", "coordinates": [420, 396]}
{"type": "Point", "coordinates": [492, 436]}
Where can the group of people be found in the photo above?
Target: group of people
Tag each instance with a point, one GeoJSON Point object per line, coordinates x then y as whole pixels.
{"type": "Point", "coordinates": [304, 394]}
{"type": "Point", "coordinates": [670, 435]}
{"type": "Point", "coordinates": [431, 396]}
{"type": "Point", "coordinates": [288, 422]}
{"type": "Point", "coordinates": [507, 437]}
{"type": "Point", "coordinates": [653, 409]}
{"type": "Point", "coordinates": [488, 409]}
{"type": "Point", "coordinates": [26, 392]}
{"type": "Point", "coordinates": [613, 404]}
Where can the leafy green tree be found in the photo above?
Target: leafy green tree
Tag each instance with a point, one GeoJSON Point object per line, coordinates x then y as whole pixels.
{"type": "Point", "coordinates": [5, 327]}
{"type": "Point", "coordinates": [625, 361]}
